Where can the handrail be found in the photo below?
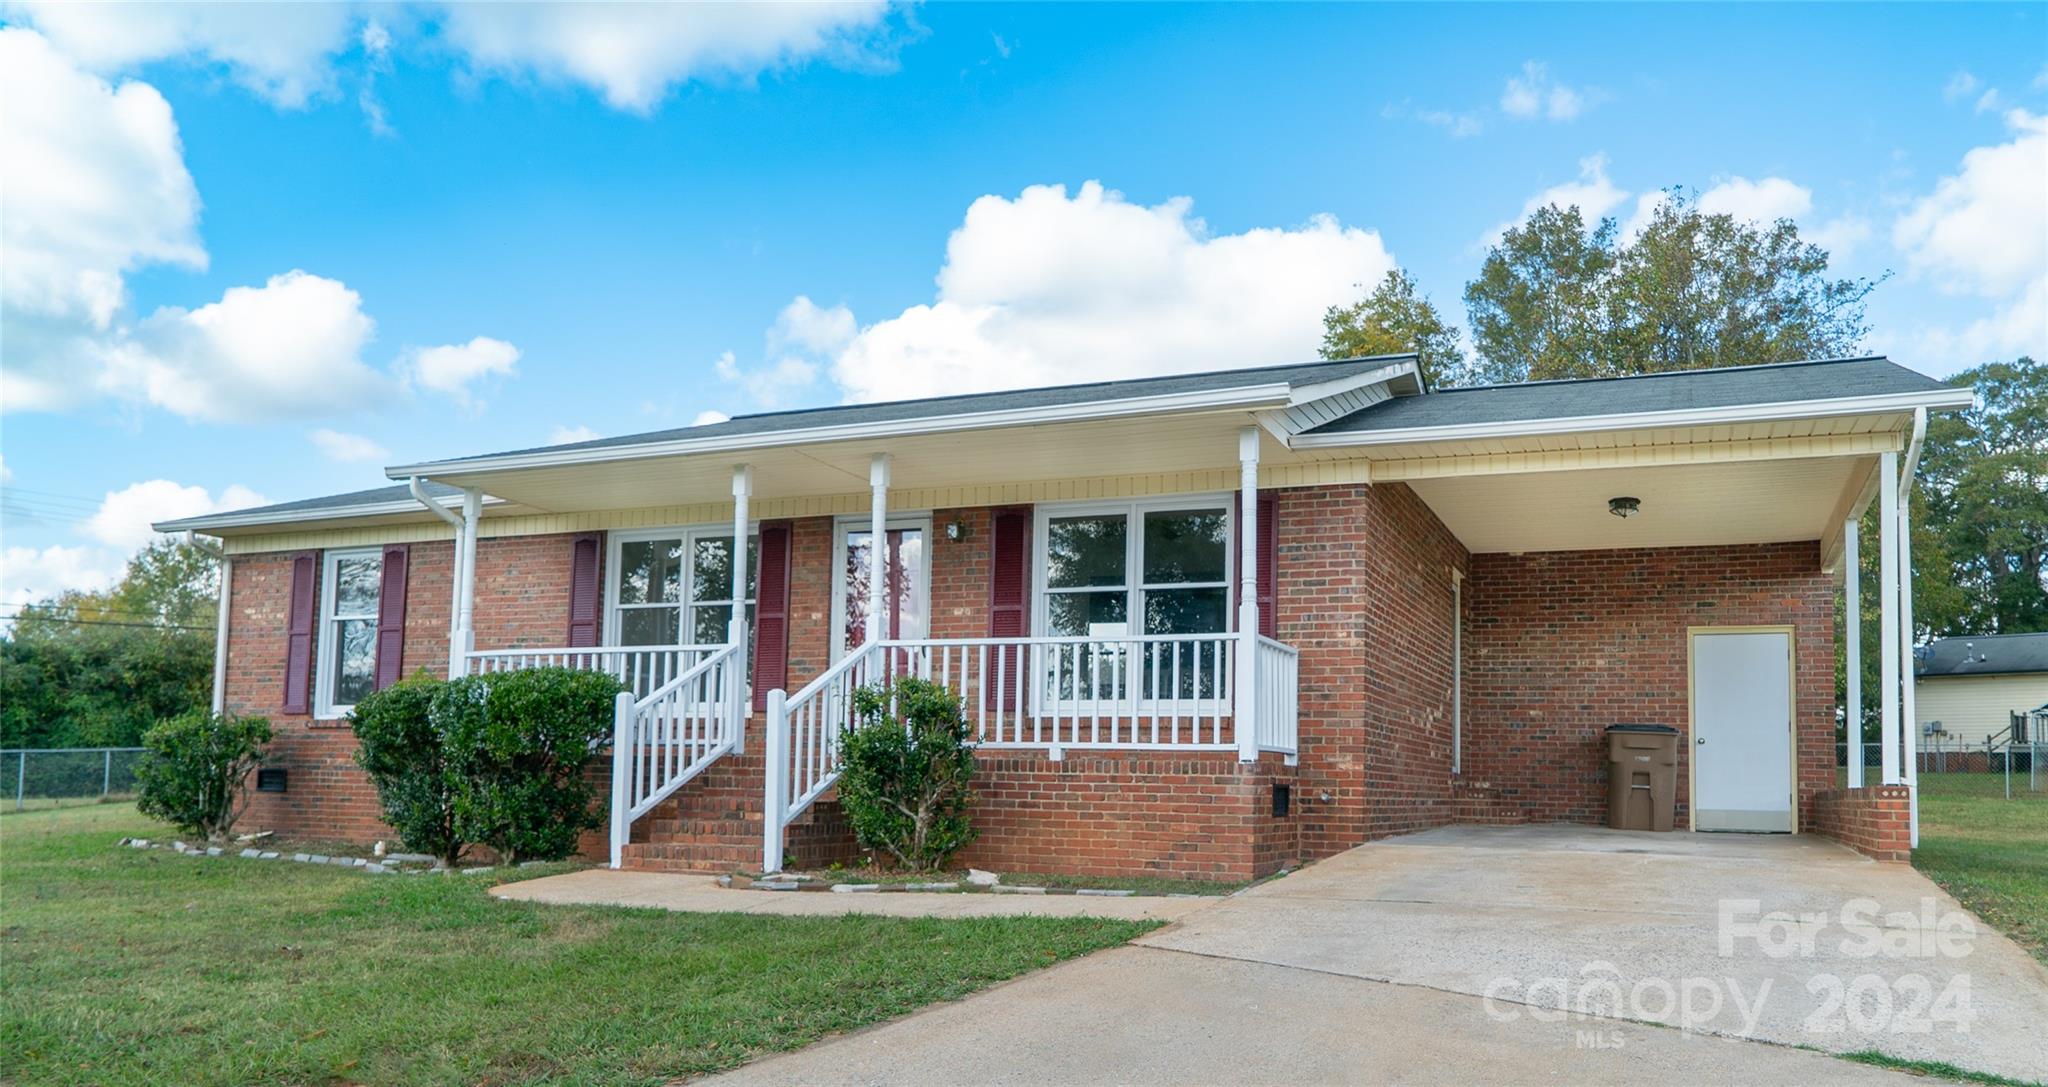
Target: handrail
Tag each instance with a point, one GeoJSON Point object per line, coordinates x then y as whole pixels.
{"type": "Point", "coordinates": [662, 740]}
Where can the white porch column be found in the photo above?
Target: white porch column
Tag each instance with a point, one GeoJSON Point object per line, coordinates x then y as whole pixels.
{"type": "Point", "coordinates": [1852, 656]}
{"type": "Point", "coordinates": [736, 626]}
{"type": "Point", "coordinates": [878, 545]}
{"type": "Point", "coordinates": [220, 634]}
{"type": "Point", "coordinates": [1246, 709]}
{"type": "Point", "coordinates": [1888, 613]}
{"type": "Point", "coordinates": [1909, 724]}
{"type": "Point", "coordinates": [465, 580]}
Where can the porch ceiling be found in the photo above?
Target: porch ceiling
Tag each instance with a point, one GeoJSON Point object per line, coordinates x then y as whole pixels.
{"type": "Point", "coordinates": [1024, 454]}
{"type": "Point", "coordinates": [1700, 504]}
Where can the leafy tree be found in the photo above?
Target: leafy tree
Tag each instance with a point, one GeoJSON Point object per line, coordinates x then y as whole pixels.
{"type": "Point", "coordinates": [1395, 319]}
{"type": "Point", "coordinates": [1557, 298]}
{"type": "Point", "coordinates": [1982, 497]}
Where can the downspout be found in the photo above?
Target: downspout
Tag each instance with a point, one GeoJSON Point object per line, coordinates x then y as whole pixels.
{"type": "Point", "coordinates": [455, 640]}
{"type": "Point", "coordinates": [220, 619]}
{"type": "Point", "coordinates": [1908, 681]}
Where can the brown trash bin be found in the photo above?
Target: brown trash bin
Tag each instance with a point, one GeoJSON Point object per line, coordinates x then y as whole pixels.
{"type": "Point", "coordinates": [1642, 776]}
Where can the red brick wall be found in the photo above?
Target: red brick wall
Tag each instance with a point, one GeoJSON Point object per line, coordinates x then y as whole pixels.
{"type": "Point", "coordinates": [1364, 591]}
{"type": "Point", "coordinates": [1559, 645]}
{"type": "Point", "coordinates": [1196, 816]}
{"type": "Point", "coordinates": [1874, 820]}
{"type": "Point", "coordinates": [522, 599]}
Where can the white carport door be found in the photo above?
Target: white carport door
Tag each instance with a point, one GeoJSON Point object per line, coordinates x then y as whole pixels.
{"type": "Point", "coordinates": [1742, 730]}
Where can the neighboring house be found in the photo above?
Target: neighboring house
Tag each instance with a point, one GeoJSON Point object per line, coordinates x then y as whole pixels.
{"type": "Point", "coordinates": [1968, 689]}
{"type": "Point", "coordinates": [1203, 624]}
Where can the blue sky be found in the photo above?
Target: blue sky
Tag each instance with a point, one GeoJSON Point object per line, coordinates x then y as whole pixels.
{"type": "Point", "coordinates": [260, 252]}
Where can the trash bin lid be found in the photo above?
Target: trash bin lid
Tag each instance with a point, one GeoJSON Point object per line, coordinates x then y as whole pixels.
{"type": "Point", "coordinates": [1641, 728]}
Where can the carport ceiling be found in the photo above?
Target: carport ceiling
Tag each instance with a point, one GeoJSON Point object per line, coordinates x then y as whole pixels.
{"type": "Point", "coordinates": [1684, 505]}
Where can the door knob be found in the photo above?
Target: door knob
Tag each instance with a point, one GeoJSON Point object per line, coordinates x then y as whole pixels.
{"type": "Point", "coordinates": [1701, 740]}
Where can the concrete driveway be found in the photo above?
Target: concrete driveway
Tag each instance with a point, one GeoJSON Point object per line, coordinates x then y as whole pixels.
{"type": "Point", "coordinates": [1443, 956]}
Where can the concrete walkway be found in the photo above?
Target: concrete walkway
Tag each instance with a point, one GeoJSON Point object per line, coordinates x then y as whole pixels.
{"type": "Point", "coordinates": [1436, 958]}
{"type": "Point", "coordinates": [702, 894]}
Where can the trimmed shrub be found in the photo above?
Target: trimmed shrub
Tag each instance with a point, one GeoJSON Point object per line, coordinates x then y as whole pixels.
{"type": "Point", "coordinates": [905, 773]}
{"type": "Point", "coordinates": [195, 771]}
{"type": "Point", "coordinates": [402, 752]}
{"type": "Point", "coordinates": [516, 745]}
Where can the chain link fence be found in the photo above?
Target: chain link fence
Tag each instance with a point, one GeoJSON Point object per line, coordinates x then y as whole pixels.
{"type": "Point", "coordinates": [2018, 762]}
{"type": "Point", "coordinates": [56, 776]}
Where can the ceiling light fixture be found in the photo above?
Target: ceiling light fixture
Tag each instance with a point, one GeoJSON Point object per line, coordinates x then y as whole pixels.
{"type": "Point", "coordinates": [1624, 507]}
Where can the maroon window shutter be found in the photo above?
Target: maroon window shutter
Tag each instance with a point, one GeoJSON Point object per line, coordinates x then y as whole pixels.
{"type": "Point", "coordinates": [1268, 574]}
{"type": "Point", "coordinates": [391, 617]}
{"type": "Point", "coordinates": [299, 624]}
{"type": "Point", "coordinates": [1009, 594]}
{"type": "Point", "coordinates": [584, 592]}
{"type": "Point", "coordinates": [771, 612]}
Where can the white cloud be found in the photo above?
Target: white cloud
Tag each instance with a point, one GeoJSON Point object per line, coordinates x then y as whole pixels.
{"type": "Point", "coordinates": [633, 54]}
{"type": "Point", "coordinates": [30, 575]}
{"type": "Point", "coordinates": [804, 326]}
{"type": "Point", "coordinates": [1532, 94]}
{"type": "Point", "coordinates": [708, 416]}
{"type": "Point", "coordinates": [453, 368]}
{"type": "Point", "coordinates": [281, 52]}
{"type": "Point", "coordinates": [1764, 201]}
{"type": "Point", "coordinates": [6, 473]}
{"type": "Point", "coordinates": [1989, 101]}
{"type": "Point", "coordinates": [292, 347]}
{"type": "Point", "coordinates": [347, 448]}
{"type": "Point", "coordinates": [125, 515]}
{"type": "Point", "coordinates": [1459, 124]}
{"type": "Point", "coordinates": [1959, 86]}
{"type": "Point", "coordinates": [1050, 287]}
{"type": "Point", "coordinates": [96, 187]}
{"type": "Point", "coordinates": [564, 435]}
{"type": "Point", "coordinates": [1592, 192]}
{"type": "Point", "coordinates": [1983, 231]}
{"type": "Point", "coordinates": [771, 385]}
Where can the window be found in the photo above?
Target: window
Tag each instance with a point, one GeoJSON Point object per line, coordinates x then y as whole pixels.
{"type": "Point", "coordinates": [674, 586]}
{"type": "Point", "coordinates": [1151, 568]}
{"type": "Point", "coordinates": [350, 582]}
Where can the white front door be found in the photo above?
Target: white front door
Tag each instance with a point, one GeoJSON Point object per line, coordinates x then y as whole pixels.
{"type": "Point", "coordinates": [1742, 731]}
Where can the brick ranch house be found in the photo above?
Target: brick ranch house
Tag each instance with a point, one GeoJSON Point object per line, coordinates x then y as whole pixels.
{"type": "Point", "coordinates": [1203, 625]}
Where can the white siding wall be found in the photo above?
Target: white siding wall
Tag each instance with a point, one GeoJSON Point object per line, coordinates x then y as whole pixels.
{"type": "Point", "coordinates": [1973, 707]}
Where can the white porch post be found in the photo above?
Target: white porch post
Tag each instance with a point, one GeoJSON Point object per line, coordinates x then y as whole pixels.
{"type": "Point", "coordinates": [1246, 709]}
{"type": "Point", "coordinates": [220, 634]}
{"type": "Point", "coordinates": [878, 544]}
{"type": "Point", "coordinates": [1852, 656]}
{"type": "Point", "coordinates": [622, 774]}
{"type": "Point", "coordinates": [736, 627]}
{"type": "Point", "coordinates": [1909, 722]}
{"type": "Point", "coordinates": [464, 640]}
{"type": "Point", "coordinates": [1888, 612]}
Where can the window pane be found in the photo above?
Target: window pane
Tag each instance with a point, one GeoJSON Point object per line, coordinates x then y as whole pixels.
{"type": "Point", "coordinates": [650, 572]}
{"type": "Point", "coordinates": [1072, 614]}
{"type": "Point", "coordinates": [649, 626]}
{"type": "Point", "coordinates": [1187, 611]}
{"type": "Point", "coordinates": [907, 574]}
{"type": "Point", "coordinates": [1085, 551]}
{"type": "Point", "coordinates": [708, 623]}
{"type": "Point", "coordinates": [1186, 545]}
{"type": "Point", "coordinates": [355, 671]}
{"type": "Point", "coordinates": [355, 585]}
{"type": "Point", "coordinates": [712, 558]}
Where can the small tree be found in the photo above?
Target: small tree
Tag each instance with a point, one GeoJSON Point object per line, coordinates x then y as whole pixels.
{"type": "Point", "coordinates": [905, 773]}
{"type": "Point", "coordinates": [195, 772]}
{"type": "Point", "coordinates": [403, 753]}
{"type": "Point", "coordinates": [516, 744]}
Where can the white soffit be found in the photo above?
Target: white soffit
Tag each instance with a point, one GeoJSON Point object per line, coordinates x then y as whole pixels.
{"type": "Point", "coordinates": [1687, 505]}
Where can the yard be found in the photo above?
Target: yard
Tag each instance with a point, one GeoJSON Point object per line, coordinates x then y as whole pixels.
{"type": "Point", "coordinates": [1989, 852]}
{"type": "Point", "coordinates": [124, 966]}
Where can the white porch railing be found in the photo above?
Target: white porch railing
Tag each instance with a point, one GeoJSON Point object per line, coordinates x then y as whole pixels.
{"type": "Point", "coordinates": [662, 740]}
{"type": "Point", "coordinates": [644, 669]}
{"type": "Point", "coordinates": [1127, 692]}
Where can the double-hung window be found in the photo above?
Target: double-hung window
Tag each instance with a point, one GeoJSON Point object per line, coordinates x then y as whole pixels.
{"type": "Point", "coordinates": [1158, 567]}
{"type": "Point", "coordinates": [674, 586]}
{"type": "Point", "coordinates": [350, 583]}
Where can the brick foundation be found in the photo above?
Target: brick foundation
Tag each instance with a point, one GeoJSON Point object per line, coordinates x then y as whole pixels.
{"type": "Point", "coordinates": [1875, 820]}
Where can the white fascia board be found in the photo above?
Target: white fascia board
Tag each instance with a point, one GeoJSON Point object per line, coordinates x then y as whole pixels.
{"type": "Point", "coordinates": [1742, 413]}
{"type": "Point", "coordinates": [231, 519]}
{"type": "Point", "coordinates": [1243, 396]}
{"type": "Point", "coordinates": [1304, 394]}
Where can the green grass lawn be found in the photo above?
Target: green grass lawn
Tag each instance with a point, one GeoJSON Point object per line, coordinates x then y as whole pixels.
{"type": "Point", "coordinates": [131, 966]}
{"type": "Point", "coordinates": [1989, 852]}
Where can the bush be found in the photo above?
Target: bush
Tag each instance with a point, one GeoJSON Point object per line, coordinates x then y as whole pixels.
{"type": "Point", "coordinates": [195, 771]}
{"type": "Point", "coordinates": [402, 752]}
{"type": "Point", "coordinates": [905, 771]}
{"type": "Point", "coordinates": [516, 744]}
